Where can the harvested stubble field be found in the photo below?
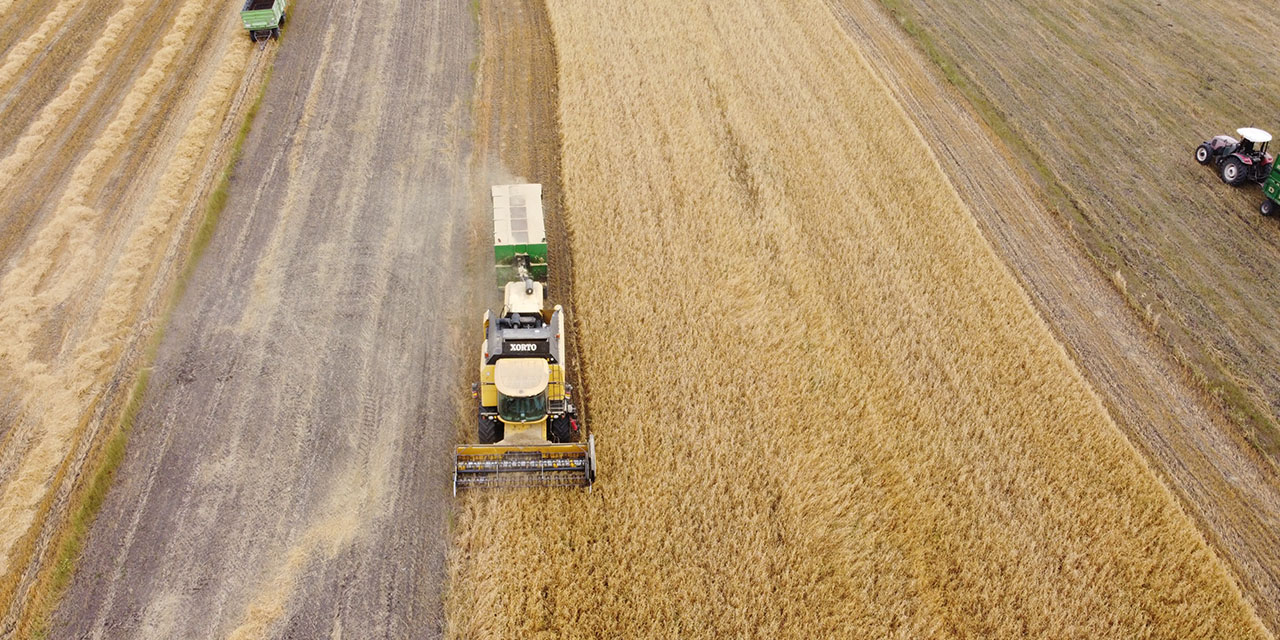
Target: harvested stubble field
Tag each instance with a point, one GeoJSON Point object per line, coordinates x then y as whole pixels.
{"type": "Point", "coordinates": [1107, 100]}
{"type": "Point", "coordinates": [115, 119]}
{"type": "Point", "coordinates": [823, 407]}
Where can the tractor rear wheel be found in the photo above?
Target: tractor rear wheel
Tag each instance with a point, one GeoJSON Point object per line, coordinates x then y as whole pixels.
{"type": "Point", "coordinates": [1203, 152]}
{"type": "Point", "coordinates": [1268, 207]}
{"type": "Point", "coordinates": [1233, 171]}
{"type": "Point", "coordinates": [490, 430]}
{"type": "Point", "coordinates": [561, 430]}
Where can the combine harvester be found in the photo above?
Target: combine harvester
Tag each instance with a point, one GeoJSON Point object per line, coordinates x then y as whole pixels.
{"type": "Point", "coordinates": [527, 425]}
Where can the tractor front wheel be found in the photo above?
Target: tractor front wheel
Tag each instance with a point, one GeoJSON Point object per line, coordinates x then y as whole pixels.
{"type": "Point", "coordinates": [490, 431]}
{"type": "Point", "coordinates": [1203, 152]}
{"type": "Point", "coordinates": [1233, 171]}
{"type": "Point", "coordinates": [1269, 207]}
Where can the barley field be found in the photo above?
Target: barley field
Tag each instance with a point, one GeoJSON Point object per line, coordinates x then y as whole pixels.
{"type": "Point", "coordinates": [823, 407]}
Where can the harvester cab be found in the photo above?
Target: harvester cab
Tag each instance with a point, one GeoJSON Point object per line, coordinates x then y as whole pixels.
{"type": "Point", "coordinates": [527, 424]}
{"type": "Point", "coordinates": [1238, 161]}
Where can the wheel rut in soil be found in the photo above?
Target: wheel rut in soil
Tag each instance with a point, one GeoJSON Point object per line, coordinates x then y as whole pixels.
{"type": "Point", "coordinates": [288, 470]}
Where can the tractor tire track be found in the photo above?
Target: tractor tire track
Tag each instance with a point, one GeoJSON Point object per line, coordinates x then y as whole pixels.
{"type": "Point", "coordinates": [313, 498]}
{"type": "Point", "coordinates": [63, 258]}
{"type": "Point", "coordinates": [80, 306]}
{"type": "Point", "coordinates": [64, 100]}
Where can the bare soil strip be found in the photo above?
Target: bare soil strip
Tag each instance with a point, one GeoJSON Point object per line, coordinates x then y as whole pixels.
{"type": "Point", "coordinates": [517, 138]}
{"type": "Point", "coordinates": [1223, 481]}
{"type": "Point", "coordinates": [288, 470]}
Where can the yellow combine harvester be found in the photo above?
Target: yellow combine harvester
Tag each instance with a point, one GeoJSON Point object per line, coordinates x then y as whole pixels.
{"type": "Point", "coordinates": [527, 424]}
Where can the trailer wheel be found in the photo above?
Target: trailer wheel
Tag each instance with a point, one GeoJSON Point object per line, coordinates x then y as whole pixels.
{"type": "Point", "coordinates": [275, 33]}
{"type": "Point", "coordinates": [1268, 207]}
{"type": "Point", "coordinates": [253, 37]}
{"type": "Point", "coordinates": [283, 15]}
{"type": "Point", "coordinates": [561, 429]}
{"type": "Point", "coordinates": [1233, 171]}
{"type": "Point", "coordinates": [1202, 153]}
{"type": "Point", "coordinates": [490, 430]}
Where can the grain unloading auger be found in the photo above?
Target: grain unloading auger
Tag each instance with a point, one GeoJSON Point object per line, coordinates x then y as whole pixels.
{"type": "Point", "coordinates": [526, 422]}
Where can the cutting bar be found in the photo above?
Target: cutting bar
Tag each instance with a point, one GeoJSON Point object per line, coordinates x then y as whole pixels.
{"type": "Point", "coordinates": [571, 464]}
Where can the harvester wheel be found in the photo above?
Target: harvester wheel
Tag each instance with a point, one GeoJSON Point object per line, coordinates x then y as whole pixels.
{"type": "Point", "coordinates": [1202, 152]}
{"type": "Point", "coordinates": [561, 429]}
{"type": "Point", "coordinates": [490, 430]}
{"type": "Point", "coordinates": [1233, 171]}
{"type": "Point", "coordinates": [1268, 207]}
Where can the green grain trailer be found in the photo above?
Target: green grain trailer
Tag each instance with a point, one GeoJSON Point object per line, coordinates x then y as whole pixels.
{"type": "Point", "coordinates": [1271, 193]}
{"type": "Point", "coordinates": [519, 239]}
{"type": "Point", "coordinates": [263, 18]}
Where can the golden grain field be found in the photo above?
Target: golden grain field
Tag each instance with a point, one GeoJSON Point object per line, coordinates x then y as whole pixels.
{"type": "Point", "coordinates": [823, 407]}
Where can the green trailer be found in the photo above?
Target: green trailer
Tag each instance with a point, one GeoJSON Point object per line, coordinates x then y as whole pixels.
{"type": "Point", "coordinates": [519, 237]}
{"type": "Point", "coordinates": [1271, 192]}
{"type": "Point", "coordinates": [263, 18]}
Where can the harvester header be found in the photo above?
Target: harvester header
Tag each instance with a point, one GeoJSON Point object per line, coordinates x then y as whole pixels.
{"type": "Point", "coordinates": [527, 425]}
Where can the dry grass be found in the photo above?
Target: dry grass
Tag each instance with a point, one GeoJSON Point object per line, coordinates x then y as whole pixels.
{"type": "Point", "coordinates": [823, 407]}
{"type": "Point", "coordinates": [78, 304]}
{"type": "Point", "coordinates": [56, 576]}
{"type": "Point", "coordinates": [1106, 100]}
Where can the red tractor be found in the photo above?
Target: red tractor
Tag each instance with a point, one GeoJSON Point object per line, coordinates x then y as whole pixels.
{"type": "Point", "coordinates": [1238, 161]}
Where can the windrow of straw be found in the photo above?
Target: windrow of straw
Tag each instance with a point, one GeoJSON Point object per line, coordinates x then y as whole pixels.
{"type": "Point", "coordinates": [78, 303]}
{"type": "Point", "coordinates": [823, 407]}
